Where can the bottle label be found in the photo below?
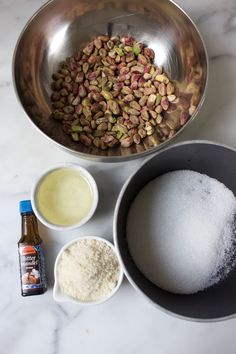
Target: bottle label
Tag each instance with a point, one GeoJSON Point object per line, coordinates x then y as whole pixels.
{"type": "Point", "coordinates": [32, 267]}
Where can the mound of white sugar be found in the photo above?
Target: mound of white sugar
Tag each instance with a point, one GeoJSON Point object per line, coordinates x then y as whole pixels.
{"type": "Point", "coordinates": [181, 231]}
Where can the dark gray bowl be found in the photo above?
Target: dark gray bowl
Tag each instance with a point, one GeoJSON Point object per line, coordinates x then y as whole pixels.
{"type": "Point", "coordinates": [217, 161]}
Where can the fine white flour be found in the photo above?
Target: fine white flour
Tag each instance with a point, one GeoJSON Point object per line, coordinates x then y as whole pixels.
{"type": "Point", "coordinates": [88, 270]}
{"type": "Point", "coordinates": [181, 231]}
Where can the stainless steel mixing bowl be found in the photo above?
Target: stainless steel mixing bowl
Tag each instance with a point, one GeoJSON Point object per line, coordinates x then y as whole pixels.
{"type": "Point", "coordinates": [61, 27]}
{"type": "Point", "coordinates": [216, 161]}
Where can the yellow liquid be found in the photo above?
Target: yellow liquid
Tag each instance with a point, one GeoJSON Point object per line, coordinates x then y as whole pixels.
{"type": "Point", "coordinates": [64, 197]}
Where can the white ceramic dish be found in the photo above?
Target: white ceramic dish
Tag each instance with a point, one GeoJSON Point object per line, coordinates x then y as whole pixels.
{"type": "Point", "coordinates": [59, 296]}
{"type": "Point", "coordinates": [84, 173]}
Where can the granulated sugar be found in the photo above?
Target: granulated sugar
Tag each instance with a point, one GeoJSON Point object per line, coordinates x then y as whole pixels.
{"type": "Point", "coordinates": [181, 231]}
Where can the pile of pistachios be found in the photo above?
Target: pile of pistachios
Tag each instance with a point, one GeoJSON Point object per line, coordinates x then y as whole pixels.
{"type": "Point", "coordinates": [111, 93]}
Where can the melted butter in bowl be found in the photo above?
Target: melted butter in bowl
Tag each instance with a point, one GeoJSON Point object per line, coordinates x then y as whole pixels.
{"type": "Point", "coordinates": [65, 197]}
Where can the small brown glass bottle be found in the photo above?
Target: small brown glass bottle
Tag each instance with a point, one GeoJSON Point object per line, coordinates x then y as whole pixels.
{"type": "Point", "coordinates": [32, 268]}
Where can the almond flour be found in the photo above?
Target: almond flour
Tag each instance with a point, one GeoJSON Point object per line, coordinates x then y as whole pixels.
{"type": "Point", "coordinates": [88, 270]}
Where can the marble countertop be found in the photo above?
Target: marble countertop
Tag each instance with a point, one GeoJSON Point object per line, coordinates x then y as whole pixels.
{"type": "Point", "coordinates": [127, 323]}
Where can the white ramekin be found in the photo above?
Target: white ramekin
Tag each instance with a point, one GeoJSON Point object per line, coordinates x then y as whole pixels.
{"type": "Point", "coordinates": [89, 178]}
{"type": "Point", "coordinates": [59, 296]}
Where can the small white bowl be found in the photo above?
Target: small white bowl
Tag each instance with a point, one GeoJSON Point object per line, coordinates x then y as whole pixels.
{"type": "Point", "coordinates": [84, 173]}
{"type": "Point", "coordinates": [59, 296]}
